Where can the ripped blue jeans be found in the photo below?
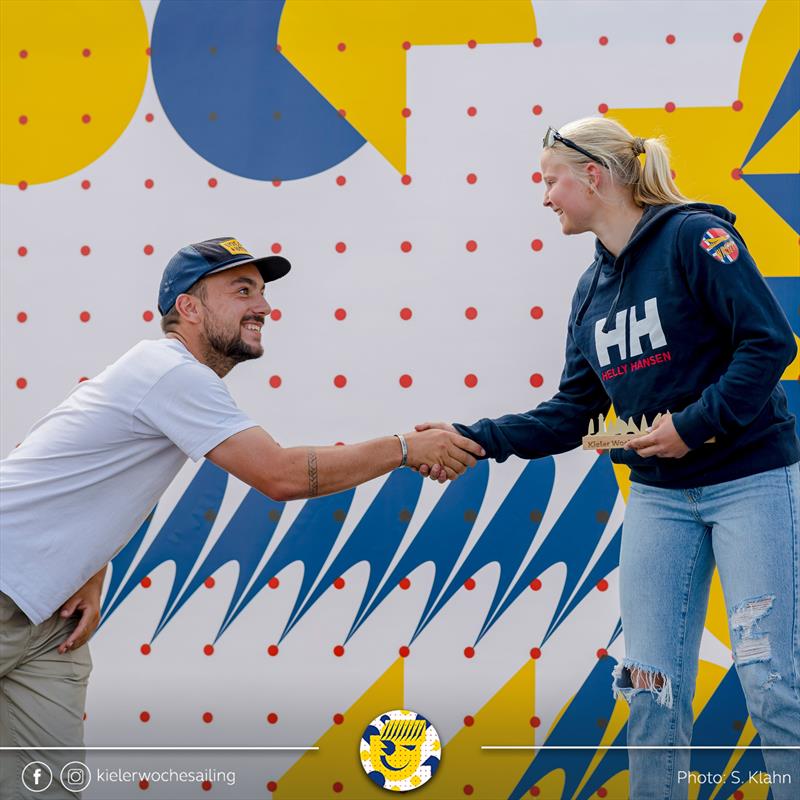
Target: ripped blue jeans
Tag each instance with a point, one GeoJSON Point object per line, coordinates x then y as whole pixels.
{"type": "Point", "coordinates": [671, 541]}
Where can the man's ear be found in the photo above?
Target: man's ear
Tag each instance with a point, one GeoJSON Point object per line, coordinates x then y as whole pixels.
{"type": "Point", "coordinates": [188, 306]}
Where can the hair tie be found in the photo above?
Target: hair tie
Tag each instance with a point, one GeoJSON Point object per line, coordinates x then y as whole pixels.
{"type": "Point", "coordinates": [638, 145]}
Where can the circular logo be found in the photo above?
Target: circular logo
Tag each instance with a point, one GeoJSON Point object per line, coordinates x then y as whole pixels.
{"type": "Point", "coordinates": [75, 776]}
{"type": "Point", "coordinates": [400, 750]}
{"type": "Point", "coordinates": [36, 776]}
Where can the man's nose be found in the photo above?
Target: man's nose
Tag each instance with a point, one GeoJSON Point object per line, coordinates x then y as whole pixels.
{"type": "Point", "coordinates": [263, 307]}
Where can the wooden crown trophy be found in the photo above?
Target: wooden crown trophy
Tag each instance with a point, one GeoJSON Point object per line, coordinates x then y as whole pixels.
{"type": "Point", "coordinates": [619, 433]}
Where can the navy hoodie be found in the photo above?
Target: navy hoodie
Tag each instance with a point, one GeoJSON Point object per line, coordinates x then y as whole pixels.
{"type": "Point", "coordinates": [681, 321]}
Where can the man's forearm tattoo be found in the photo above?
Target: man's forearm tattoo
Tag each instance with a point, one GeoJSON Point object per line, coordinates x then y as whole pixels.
{"type": "Point", "coordinates": [313, 487]}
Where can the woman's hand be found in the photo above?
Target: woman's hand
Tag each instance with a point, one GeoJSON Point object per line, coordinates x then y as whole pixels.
{"type": "Point", "coordinates": [662, 441]}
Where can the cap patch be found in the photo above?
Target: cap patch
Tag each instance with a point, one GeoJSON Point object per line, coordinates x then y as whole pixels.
{"type": "Point", "coordinates": [717, 242]}
{"type": "Point", "coordinates": [234, 247]}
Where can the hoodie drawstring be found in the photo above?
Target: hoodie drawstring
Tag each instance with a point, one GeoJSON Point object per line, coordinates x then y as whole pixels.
{"type": "Point", "coordinates": [613, 313]}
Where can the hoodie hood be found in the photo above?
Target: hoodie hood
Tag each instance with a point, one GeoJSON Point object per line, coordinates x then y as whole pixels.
{"type": "Point", "coordinates": [653, 217]}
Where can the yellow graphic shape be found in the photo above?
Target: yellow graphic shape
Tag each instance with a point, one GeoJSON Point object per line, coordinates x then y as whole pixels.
{"type": "Point", "coordinates": [504, 719]}
{"type": "Point", "coordinates": [337, 759]}
{"type": "Point", "coordinates": [74, 72]}
{"type": "Point", "coordinates": [709, 143]}
{"type": "Point", "coordinates": [367, 78]}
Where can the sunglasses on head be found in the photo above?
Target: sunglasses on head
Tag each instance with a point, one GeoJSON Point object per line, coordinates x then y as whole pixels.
{"type": "Point", "coordinates": [552, 136]}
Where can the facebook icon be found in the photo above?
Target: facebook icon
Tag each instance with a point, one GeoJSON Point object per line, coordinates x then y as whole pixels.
{"type": "Point", "coordinates": [37, 776]}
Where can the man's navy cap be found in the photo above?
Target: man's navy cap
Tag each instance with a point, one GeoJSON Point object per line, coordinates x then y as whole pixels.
{"type": "Point", "coordinates": [195, 261]}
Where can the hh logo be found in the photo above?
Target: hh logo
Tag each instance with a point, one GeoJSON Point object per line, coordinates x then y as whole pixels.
{"type": "Point", "coordinates": [628, 333]}
{"type": "Point", "coordinates": [234, 247]}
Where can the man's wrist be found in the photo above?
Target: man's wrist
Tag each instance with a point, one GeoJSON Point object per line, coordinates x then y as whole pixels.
{"type": "Point", "coordinates": [403, 448]}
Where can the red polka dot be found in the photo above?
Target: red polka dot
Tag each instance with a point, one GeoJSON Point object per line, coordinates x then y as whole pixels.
{"type": "Point", "coordinates": [469, 652]}
{"type": "Point", "coordinates": [143, 784]}
{"type": "Point", "coordinates": [337, 787]}
{"type": "Point", "coordinates": [404, 651]}
{"type": "Point", "coordinates": [602, 652]}
{"type": "Point", "coordinates": [602, 584]}
{"type": "Point", "coordinates": [338, 719]}
{"type": "Point", "coordinates": [147, 51]}
{"type": "Point", "coordinates": [23, 185]}
{"type": "Point", "coordinates": [406, 313]}
{"type": "Point", "coordinates": [276, 183]}
{"type": "Point", "coordinates": [271, 786]}
{"type": "Point", "coordinates": [536, 177]}
{"type": "Point", "coordinates": [472, 246]}
{"type": "Point", "coordinates": [470, 381]}
{"type": "Point", "coordinates": [206, 786]}
{"type": "Point", "coordinates": [736, 174]}
{"type": "Point", "coordinates": [338, 651]}
{"type": "Point", "coordinates": [537, 312]}
{"type": "Point", "coordinates": [338, 583]}
{"type": "Point", "coordinates": [603, 41]}
{"type": "Point", "coordinates": [275, 314]}
{"type": "Point", "coordinates": [209, 582]}
{"type": "Point", "coordinates": [21, 383]}
{"type": "Point", "coordinates": [472, 44]}
{"type": "Point", "coordinates": [340, 314]}
{"type": "Point", "coordinates": [669, 107]}
{"type": "Point", "coordinates": [341, 180]}
{"type": "Point", "coordinates": [23, 53]}
{"type": "Point", "coordinates": [340, 247]}
{"type": "Point", "coordinates": [673, 174]}
{"type": "Point", "coordinates": [340, 381]}
{"type": "Point", "coordinates": [145, 649]}
{"type": "Point", "coordinates": [148, 184]}
{"type": "Point", "coordinates": [212, 182]}
{"type": "Point", "coordinates": [85, 250]}
{"type": "Point", "coordinates": [342, 112]}
{"type": "Point", "coordinates": [278, 48]}
{"type": "Point", "coordinates": [272, 718]}
{"type": "Point", "coordinates": [602, 791]}
{"type": "Point", "coordinates": [536, 380]}
{"type": "Point", "coordinates": [208, 649]}
{"type": "Point", "coordinates": [536, 584]}
{"type": "Point", "coordinates": [471, 312]}
{"type": "Point", "coordinates": [145, 716]}
{"type": "Point", "coordinates": [406, 381]}
{"type": "Point", "coordinates": [534, 791]}
{"type": "Point", "coordinates": [468, 789]}
{"type": "Point", "coordinates": [404, 583]}
{"type": "Point", "coordinates": [537, 245]}
{"type": "Point", "coordinates": [537, 42]}
{"type": "Point", "coordinates": [85, 316]}
{"type": "Point", "coordinates": [406, 112]}
{"type": "Point", "coordinates": [737, 37]}
{"type": "Point", "coordinates": [148, 249]}
{"type": "Point", "coordinates": [81, 380]}
{"type": "Point", "coordinates": [535, 722]}
{"type": "Point", "coordinates": [22, 316]}
{"type": "Point", "coordinates": [208, 717]}
{"type": "Point", "coordinates": [86, 185]}
{"type": "Point", "coordinates": [405, 247]}
{"type": "Point", "coordinates": [737, 105]}
{"type": "Point", "coordinates": [146, 582]}
{"type": "Point", "coordinates": [535, 653]}
{"type": "Point", "coordinates": [86, 52]}
{"type": "Point", "coordinates": [670, 39]}
{"type": "Point", "coordinates": [472, 111]}
{"type": "Point", "coordinates": [469, 721]}
{"type": "Point", "coordinates": [341, 47]}
{"type": "Point", "coordinates": [472, 178]}
{"type": "Point", "coordinates": [86, 119]}
{"type": "Point", "coordinates": [406, 45]}
{"type": "Point", "coordinates": [537, 109]}
{"type": "Point", "coordinates": [273, 583]}
{"type": "Point", "coordinates": [147, 316]}
{"type": "Point", "coordinates": [275, 381]}
{"type": "Point", "coordinates": [272, 650]}
{"type": "Point", "coordinates": [22, 251]}
{"type": "Point", "coordinates": [148, 117]}
{"type": "Point", "coordinates": [23, 120]}
{"type": "Point", "coordinates": [602, 108]}
{"type": "Point", "coordinates": [405, 180]}
{"type": "Point", "coordinates": [469, 584]}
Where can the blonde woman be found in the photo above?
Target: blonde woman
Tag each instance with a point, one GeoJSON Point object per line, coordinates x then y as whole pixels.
{"type": "Point", "coordinates": [673, 315]}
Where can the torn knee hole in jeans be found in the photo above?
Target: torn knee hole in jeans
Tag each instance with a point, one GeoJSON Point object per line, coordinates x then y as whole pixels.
{"type": "Point", "coordinates": [631, 678]}
{"type": "Point", "coordinates": [750, 647]}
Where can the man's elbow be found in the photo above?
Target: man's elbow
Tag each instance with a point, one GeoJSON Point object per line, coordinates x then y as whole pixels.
{"type": "Point", "coordinates": [280, 489]}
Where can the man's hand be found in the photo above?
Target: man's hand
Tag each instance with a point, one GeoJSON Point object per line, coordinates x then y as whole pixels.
{"type": "Point", "coordinates": [86, 601]}
{"type": "Point", "coordinates": [444, 447]}
{"type": "Point", "coordinates": [662, 441]}
{"type": "Point", "coordinates": [433, 469]}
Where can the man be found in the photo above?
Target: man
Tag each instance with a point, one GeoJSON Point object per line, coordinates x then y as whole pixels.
{"type": "Point", "coordinates": [89, 472]}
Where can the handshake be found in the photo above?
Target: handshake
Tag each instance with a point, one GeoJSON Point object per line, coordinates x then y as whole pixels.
{"type": "Point", "coordinates": [436, 450]}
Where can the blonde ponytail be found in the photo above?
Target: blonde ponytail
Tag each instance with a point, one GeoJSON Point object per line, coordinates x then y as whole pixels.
{"type": "Point", "coordinates": [651, 183]}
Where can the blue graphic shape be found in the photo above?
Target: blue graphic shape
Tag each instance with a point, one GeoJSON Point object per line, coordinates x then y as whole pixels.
{"type": "Point", "coordinates": [781, 193]}
{"type": "Point", "coordinates": [787, 292]}
{"type": "Point", "coordinates": [440, 540]}
{"type": "Point", "coordinates": [375, 539]}
{"type": "Point", "coordinates": [235, 100]}
{"type": "Point", "coordinates": [792, 389]}
{"type": "Point", "coordinates": [507, 537]}
{"type": "Point", "coordinates": [244, 541]}
{"type": "Point", "coordinates": [571, 542]}
{"type": "Point", "coordinates": [783, 108]}
{"type": "Point", "coordinates": [183, 535]}
{"type": "Point", "coordinates": [309, 541]}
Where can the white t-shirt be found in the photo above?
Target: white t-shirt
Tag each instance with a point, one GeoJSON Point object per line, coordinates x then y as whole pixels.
{"type": "Point", "coordinates": [87, 474]}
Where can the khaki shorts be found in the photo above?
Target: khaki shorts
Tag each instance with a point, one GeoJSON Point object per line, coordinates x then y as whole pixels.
{"type": "Point", "coordinates": [42, 700]}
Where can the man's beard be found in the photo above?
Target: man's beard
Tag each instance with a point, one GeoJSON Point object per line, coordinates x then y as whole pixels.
{"type": "Point", "coordinates": [226, 349]}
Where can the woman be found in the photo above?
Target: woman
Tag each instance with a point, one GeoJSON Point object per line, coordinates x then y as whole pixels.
{"type": "Point", "coordinates": [673, 316]}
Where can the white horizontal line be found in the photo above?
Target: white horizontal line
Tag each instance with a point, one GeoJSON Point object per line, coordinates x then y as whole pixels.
{"type": "Point", "coordinates": [145, 748]}
{"type": "Point", "coordinates": [637, 747]}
